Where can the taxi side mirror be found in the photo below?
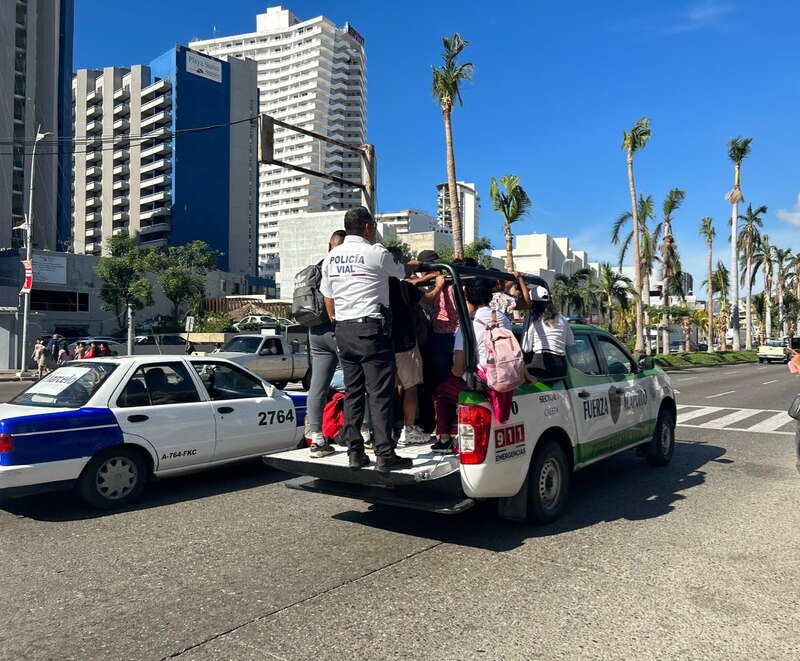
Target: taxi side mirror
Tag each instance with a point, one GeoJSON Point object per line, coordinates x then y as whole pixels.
{"type": "Point", "coordinates": [794, 408]}
{"type": "Point", "coordinates": [647, 363]}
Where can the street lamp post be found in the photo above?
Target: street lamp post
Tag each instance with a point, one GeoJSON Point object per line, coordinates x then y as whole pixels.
{"type": "Point", "coordinates": [29, 253]}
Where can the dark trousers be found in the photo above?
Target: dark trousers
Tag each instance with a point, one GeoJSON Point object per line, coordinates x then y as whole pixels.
{"type": "Point", "coordinates": [366, 354]}
{"type": "Point", "coordinates": [440, 350]}
{"type": "Point", "coordinates": [547, 365]}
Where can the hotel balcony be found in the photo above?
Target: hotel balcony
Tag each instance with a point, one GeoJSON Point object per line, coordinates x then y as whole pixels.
{"type": "Point", "coordinates": [157, 119]}
{"type": "Point", "coordinates": [158, 87]}
{"type": "Point", "coordinates": [122, 155]}
{"type": "Point", "coordinates": [160, 180]}
{"type": "Point", "coordinates": [93, 247]}
{"type": "Point", "coordinates": [94, 171]}
{"type": "Point", "coordinates": [121, 201]}
{"type": "Point", "coordinates": [160, 149]}
{"type": "Point", "coordinates": [93, 187]}
{"type": "Point", "coordinates": [93, 217]}
{"type": "Point", "coordinates": [154, 213]}
{"type": "Point", "coordinates": [94, 111]}
{"type": "Point", "coordinates": [155, 166]}
{"type": "Point", "coordinates": [94, 97]}
{"type": "Point", "coordinates": [93, 155]}
{"type": "Point", "coordinates": [94, 127]}
{"type": "Point", "coordinates": [122, 125]}
{"type": "Point", "coordinates": [120, 185]}
{"type": "Point", "coordinates": [163, 101]}
{"type": "Point", "coordinates": [153, 198]}
{"type": "Point", "coordinates": [92, 232]}
{"type": "Point", "coordinates": [121, 169]}
{"type": "Point", "coordinates": [145, 230]}
{"type": "Point", "coordinates": [122, 94]}
{"type": "Point", "coordinates": [120, 217]}
{"type": "Point", "coordinates": [122, 110]}
{"type": "Point", "coordinates": [93, 201]}
{"type": "Point", "coordinates": [159, 242]}
{"type": "Point", "coordinates": [119, 230]}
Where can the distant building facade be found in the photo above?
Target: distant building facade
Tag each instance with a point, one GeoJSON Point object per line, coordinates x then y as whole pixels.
{"type": "Point", "coordinates": [312, 74]}
{"type": "Point", "coordinates": [35, 76]}
{"type": "Point", "coordinates": [546, 256]}
{"type": "Point", "coordinates": [469, 204]}
{"type": "Point", "coordinates": [179, 181]}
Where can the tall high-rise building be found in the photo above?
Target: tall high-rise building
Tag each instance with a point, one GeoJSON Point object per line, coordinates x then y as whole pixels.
{"type": "Point", "coordinates": [168, 153]}
{"type": "Point", "coordinates": [311, 74]}
{"type": "Point", "coordinates": [35, 75]}
{"type": "Point", "coordinates": [468, 202]}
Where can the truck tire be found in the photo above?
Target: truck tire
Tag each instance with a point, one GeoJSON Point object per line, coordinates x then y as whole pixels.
{"type": "Point", "coordinates": [663, 440]}
{"type": "Point", "coordinates": [548, 483]}
{"type": "Point", "coordinates": [760, 360]}
{"type": "Point", "coordinates": [114, 478]}
{"type": "Point", "coordinates": [306, 382]}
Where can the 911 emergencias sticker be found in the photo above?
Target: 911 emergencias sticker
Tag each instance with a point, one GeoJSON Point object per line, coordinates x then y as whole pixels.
{"type": "Point", "coordinates": [509, 443]}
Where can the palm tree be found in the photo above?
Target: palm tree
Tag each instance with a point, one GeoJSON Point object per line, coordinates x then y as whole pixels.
{"type": "Point", "coordinates": [569, 290]}
{"type": "Point", "coordinates": [721, 284]}
{"type": "Point", "coordinates": [796, 271]}
{"type": "Point", "coordinates": [707, 230]}
{"type": "Point", "coordinates": [513, 204]}
{"type": "Point", "coordinates": [447, 80]}
{"type": "Point", "coordinates": [759, 307]}
{"type": "Point", "coordinates": [633, 141]}
{"type": "Point", "coordinates": [669, 255]}
{"type": "Point", "coordinates": [764, 258]}
{"type": "Point", "coordinates": [748, 239]}
{"type": "Point", "coordinates": [615, 288]}
{"type": "Point", "coordinates": [783, 258]}
{"type": "Point", "coordinates": [648, 242]}
{"type": "Point", "coordinates": [738, 150]}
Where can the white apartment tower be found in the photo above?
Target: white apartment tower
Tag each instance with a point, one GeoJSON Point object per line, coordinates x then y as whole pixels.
{"type": "Point", "coordinates": [468, 202]}
{"type": "Point", "coordinates": [312, 74]}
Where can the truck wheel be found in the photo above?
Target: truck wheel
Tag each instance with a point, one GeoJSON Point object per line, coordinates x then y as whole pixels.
{"type": "Point", "coordinates": [548, 483]}
{"type": "Point", "coordinates": [663, 440]}
{"type": "Point", "coordinates": [760, 360]}
{"type": "Point", "coordinates": [306, 382]}
{"type": "Point", "coordinates": [280, 385]}
{"type": "Point", "coordinates": [113, 478]}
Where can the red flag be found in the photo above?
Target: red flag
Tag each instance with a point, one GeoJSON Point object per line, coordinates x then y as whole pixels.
{"type": "Point", "coordinates": [28, 283]}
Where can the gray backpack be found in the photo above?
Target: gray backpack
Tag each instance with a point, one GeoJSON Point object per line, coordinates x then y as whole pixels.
{"type": "Point", "coordinates": [308, 304]}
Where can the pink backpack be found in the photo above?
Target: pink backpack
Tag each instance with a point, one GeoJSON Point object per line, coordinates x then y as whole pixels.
{"type": "Point", "coordinates": [505, 366]}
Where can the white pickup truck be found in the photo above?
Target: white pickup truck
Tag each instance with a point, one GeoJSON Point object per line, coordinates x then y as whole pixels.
{"type": "Point", "coordinates": [270, 357]}
{"type": "Point", "coordinates": [607, 403]}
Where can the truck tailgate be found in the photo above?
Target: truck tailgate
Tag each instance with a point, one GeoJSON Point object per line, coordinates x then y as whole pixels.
{"type": "Point", "coordinates": [428, 466]}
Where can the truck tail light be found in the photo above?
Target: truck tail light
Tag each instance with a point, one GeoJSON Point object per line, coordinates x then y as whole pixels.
{"type": "Point", "coordinates": [6, 443]}
{"type": "Point", "coordinates": [474, 423]}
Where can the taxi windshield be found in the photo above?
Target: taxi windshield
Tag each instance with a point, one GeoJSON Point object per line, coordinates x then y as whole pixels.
{"type": "Point", "coordinates": [69, 386]}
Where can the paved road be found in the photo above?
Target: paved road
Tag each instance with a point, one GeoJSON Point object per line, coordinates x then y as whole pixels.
{"type": "Point", "coordinates": [697, 560]}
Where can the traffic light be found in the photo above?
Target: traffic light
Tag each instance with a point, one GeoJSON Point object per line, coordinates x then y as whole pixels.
{"type": "Point", "coordinates": [266, 139]}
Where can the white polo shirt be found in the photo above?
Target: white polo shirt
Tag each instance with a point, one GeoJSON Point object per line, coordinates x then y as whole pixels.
{"type": "Point", "coordinates": [355, 274]}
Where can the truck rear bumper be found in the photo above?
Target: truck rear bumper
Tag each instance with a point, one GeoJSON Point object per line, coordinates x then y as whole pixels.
{"type": "Point", "coordinates": [440, 501]}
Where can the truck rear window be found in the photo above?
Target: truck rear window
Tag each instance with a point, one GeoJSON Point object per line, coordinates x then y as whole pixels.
{"type": "Point", "coordinates": [243, 344]}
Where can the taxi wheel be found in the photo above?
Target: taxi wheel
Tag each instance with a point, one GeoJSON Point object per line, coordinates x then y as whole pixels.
{"type": "Point", "coordinates": [113, 478]}
{"type": "Point", "coordinates": [548, 483]}
{"type": "Point", "coordinates": [663, 440]}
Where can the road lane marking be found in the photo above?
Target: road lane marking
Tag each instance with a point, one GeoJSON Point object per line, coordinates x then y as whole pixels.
{"type": "Point", "coordinates": [772, 423]}
{"type": "Point", "coordinates": [751, 431]}
{"type": "Point", "coordinates": [731, 418]}
{"type": "Point", "coordinates": [697, 413]}
{"type": "Point", "coordinates": [729, 392]}
{"type": "Point", "coordinates": [766, 383]}
{"type": "Point", "coordinates": [687, 378]}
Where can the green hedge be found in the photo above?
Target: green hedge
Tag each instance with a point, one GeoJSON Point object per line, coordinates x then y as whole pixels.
{"type": "Point", "coordinates": [703, 358]}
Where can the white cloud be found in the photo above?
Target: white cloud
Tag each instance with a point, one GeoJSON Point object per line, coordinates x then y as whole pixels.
{"type": "Point", "coordinates": [792, 217]}
{"type": "Point", "coordinates": [701, 14]}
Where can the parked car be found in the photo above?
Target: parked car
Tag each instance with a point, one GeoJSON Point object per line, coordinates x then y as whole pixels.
{"type": "Point", "coordinates": [270, 358]}
{"type": "Point", "coordinates": [260, 320]}
{"type": "Point", "coordinates": [117, 348]}
{"type": "Point", "coordinates": [774, 351]}
{"type": "Point", "coordinates": [107, 425]}
{"type": "Point", "coordinates": [168, 345]}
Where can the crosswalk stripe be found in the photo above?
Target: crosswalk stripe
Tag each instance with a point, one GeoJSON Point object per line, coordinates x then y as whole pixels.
{"type": "Point", "coordinates": [685, 416]}
{"type": "Point", "coordinates": [773, 423]}
{"type": "Point", "coordinates": [731, 418]}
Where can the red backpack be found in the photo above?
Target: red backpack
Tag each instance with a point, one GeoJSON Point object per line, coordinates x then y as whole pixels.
{"type": "Point", "coordinates": [333, 417]}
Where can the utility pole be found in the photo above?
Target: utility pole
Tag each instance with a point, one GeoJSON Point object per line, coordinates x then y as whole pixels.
{"type": "Point", "coordinates": [29, 255]}
{"type": "Point", "coordinates": [368, 178]}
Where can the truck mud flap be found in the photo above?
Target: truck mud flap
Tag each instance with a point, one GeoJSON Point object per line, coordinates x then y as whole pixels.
{"type": "Point", "coordinates": [438, 500]}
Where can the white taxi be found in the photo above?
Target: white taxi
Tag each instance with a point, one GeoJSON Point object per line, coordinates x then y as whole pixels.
{"type": "Point", "coordinates": [107, 425]}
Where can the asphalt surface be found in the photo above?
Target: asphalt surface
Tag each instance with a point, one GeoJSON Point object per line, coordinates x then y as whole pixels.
{"type": "Point", "coordinates": [697, 560]}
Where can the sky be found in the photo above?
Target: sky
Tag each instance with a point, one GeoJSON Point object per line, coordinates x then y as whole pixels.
{"type": "Point", "coordinates": [555, 85]}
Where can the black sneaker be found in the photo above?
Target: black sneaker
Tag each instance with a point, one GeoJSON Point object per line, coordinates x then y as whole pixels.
{"type": "Point", "coordinates": [319, 451]}
{"type": "Point", "coordinates": [358, 460]}
{"type": "Point", "coordinates": [443, 446]}
{"type": "Point", "coordinates": [393, 462]}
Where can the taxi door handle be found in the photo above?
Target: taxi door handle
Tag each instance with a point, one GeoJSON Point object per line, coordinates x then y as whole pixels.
{"type": "Point", "coordinates": [225, 409]}
{"type": "Point", "coordinates": [583, 394]}
{"type": "Point", "coordinates": [137, 418]}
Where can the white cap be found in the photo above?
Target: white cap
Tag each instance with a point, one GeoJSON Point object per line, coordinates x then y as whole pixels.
{"type": "Point", "coordinates": [540, 294]}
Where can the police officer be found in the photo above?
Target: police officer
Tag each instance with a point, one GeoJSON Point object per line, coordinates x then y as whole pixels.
{"type": "Point", "coordinates": [355, 284]}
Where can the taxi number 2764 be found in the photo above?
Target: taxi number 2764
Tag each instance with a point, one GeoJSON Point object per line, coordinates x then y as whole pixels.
{"type": "Point", "coordinates": [270, 417]}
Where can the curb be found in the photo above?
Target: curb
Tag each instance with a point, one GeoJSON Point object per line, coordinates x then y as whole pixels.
{"type": "Point", "coordinates": [675, 368]}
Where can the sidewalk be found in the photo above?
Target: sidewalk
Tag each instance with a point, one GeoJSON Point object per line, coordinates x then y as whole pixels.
{"type": "Point", "coordinates": [11, 375]}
